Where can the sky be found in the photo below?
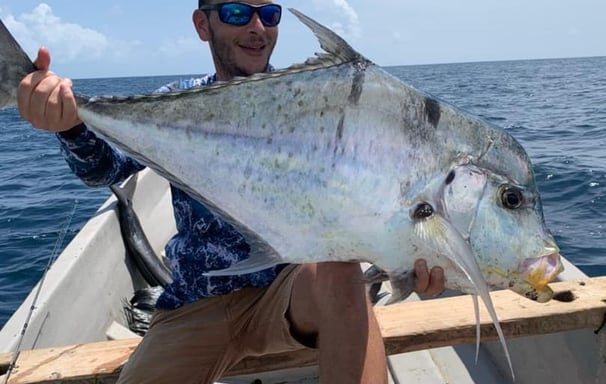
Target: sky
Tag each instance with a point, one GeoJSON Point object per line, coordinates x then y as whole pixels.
{"type": "Point", "coordinates": [95, 39]}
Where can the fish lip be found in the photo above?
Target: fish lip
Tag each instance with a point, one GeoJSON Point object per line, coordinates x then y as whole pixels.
{"type": "Point", "coordinates": [532, 276]}
{"type": "Point", "coordinates": [539, 271]}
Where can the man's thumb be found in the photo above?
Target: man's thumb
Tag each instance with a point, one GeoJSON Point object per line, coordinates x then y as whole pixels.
{"type": "Point", "coordinates": [43, 60]}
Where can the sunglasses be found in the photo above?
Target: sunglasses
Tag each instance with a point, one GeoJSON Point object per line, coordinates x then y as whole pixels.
{"type": "Point", "coordinates": [239, 14]}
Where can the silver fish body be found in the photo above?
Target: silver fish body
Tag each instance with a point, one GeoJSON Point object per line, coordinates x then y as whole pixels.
{"type": "Point", "coordinates": [337, 160]}
{"type": "Point", "coordinates": [331, 164]}
{"type": "Point", "coordinates": [330, 161]}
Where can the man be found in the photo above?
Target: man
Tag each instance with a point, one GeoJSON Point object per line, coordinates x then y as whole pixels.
{"type": "Point", "coordinates": [202, 325]}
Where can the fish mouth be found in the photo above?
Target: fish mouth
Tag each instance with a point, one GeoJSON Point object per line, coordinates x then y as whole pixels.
{"type": "Point", "coordinates": [539, 271]}
{"type": "Point", "coordinates": [536, 273]}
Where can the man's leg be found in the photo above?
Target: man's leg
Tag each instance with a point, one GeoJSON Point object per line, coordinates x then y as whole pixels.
{"type": "Point", "coordinates": [329, 301]}
{"type": "Point", "coordinates": [190, 344]}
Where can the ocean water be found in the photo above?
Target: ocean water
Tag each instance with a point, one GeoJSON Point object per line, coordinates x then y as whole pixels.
{"type": "Point", "coordinates": [556, 108]}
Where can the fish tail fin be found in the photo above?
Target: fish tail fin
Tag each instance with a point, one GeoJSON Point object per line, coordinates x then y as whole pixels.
{"type": "Point", "coordinates": [14, 66]}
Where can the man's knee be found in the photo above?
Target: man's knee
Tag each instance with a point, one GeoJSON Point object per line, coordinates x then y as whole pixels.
{"type": "Point", "coordinates": [339, 273]}
{"type": "Point", "coordinates": [326, 288]}
{"type": "Point", "coordinates": [340, 287]}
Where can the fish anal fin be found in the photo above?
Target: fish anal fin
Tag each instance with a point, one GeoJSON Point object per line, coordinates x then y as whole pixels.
{"type": "Point", "coordinates": [262, 256]}
{"type": "Point", "coordinates": [375, 274]}
{"type": "Point", "coordinates": [402, 286]}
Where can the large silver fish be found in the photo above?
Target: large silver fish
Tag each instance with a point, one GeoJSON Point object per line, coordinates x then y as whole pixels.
{"type": "Point", "coordinates": [336, 160]}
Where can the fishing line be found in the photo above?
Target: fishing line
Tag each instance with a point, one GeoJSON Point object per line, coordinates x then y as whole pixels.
{"type": "Point", "coordinates": [53, 256]}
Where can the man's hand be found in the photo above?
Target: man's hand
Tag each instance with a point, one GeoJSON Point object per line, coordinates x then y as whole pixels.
{"type": "Point", "coordinates": [46, 100]}
{"type": "Point", "coordinates": [428, 282]}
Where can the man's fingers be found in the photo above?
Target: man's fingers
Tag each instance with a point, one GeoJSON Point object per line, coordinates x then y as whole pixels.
{"type": "Point", "coordinates": [426, 282]}
{"type": "Point", "coordinates": [436, 281]}
{"type": "Point", "coordinates": [27, 87]}
{"type": "Point", "coordinates": [70, 112]}
{"type": "Point", "coordinates": [39, 98]}
{"type": "Point", "coordinates": [422, 276]}
{"type": "Point", "coordinates": [44, 99]}
{"type": "Point", "coordinates": [54, 108]}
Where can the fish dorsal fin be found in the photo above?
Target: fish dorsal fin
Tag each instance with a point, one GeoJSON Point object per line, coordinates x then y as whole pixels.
{"type": "Point", "coordinates": [333, 44]}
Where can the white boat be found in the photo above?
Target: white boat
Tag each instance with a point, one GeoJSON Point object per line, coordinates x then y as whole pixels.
{"type": "Point", "coordinates": [81, 301]}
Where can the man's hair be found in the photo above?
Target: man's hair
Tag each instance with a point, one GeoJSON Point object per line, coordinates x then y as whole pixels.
{"type": "Point", "coordinates": [202, 2]}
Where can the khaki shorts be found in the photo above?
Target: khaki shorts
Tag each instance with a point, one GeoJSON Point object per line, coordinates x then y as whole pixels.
{"type": "Point", "coordinates": [198, 342]}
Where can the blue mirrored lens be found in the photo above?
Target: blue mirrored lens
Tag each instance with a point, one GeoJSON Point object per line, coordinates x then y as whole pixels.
{"type": "Point", "coordinates": [236, 13]}
{"type": "Point", "coordinates": [240, 14]}
{"type": "Point", "coordinates": [270, 15]}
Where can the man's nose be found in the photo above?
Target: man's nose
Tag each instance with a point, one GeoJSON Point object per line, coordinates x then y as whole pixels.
{"type": "Point", "coordinates": [255, 24]}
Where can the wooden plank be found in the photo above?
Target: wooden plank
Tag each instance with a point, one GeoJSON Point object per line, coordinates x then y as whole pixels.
{"type": "Point", "coordinates": [406, 327]}
{"type": "Point", "coordinates": [82, 363]}
{"type": "Point", "coordinates": [436, 323]}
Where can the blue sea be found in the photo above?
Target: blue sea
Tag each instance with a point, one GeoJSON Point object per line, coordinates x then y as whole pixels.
{"type": "Point", "coordinates": [556, 108]}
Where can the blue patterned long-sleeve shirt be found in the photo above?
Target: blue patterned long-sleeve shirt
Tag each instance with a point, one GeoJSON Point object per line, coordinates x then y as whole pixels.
{"type": "Point", "coordinates": [203, 241]}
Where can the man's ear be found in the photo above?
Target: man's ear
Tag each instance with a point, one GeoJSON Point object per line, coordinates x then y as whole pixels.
{"type": "Point", "coordinates": [200, 19]}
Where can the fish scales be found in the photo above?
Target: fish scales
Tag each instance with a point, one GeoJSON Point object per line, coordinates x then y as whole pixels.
{"type": "Point", "coordinates": [273, 179]}
{"type": "Point", "coordinates": [332, 154]}
{"type": "Point", "coordinates": [302, 156]}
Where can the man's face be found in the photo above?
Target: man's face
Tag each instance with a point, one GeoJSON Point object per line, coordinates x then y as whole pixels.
{"type": "Point", "coordinates": [237, 50]}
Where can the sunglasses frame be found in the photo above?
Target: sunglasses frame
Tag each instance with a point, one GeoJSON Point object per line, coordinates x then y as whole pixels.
{"type": "Point", "coordinates": [254, 9]}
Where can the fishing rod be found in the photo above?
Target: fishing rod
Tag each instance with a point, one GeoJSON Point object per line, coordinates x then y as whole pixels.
{"type": "Point", "coordinates": [51, 260]}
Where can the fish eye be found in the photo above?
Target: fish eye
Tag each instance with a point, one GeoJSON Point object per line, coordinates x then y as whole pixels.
{"type": "Point", "coordinates": [423, 211]}
{"type": "Point", "coordinates": [511, 197]}
{"type": "Point", "coordinates": [450, 177]}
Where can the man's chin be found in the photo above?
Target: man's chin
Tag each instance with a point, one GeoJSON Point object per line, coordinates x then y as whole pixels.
{"type": "Point", "coordinates": [251, 70]}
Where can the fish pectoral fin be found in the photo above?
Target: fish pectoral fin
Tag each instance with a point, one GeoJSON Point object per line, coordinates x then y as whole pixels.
{"type": "Point", "coordinates": [476, 313]}
{"type": "Point", "coordinates": [442, 237]}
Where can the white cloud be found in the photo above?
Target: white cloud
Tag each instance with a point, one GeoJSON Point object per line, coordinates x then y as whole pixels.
{"type": "Point", "coordinates": [67, 41]}
{"type": "Point", "coordinates": [73, 45]}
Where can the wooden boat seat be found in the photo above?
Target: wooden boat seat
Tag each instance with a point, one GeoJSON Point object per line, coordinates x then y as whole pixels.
{"type": "Point", "coordinates": [407, 326]}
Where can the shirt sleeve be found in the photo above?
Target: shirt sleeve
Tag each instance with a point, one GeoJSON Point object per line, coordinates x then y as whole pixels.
{"type": "Point", "coordinates": [93, 160]}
